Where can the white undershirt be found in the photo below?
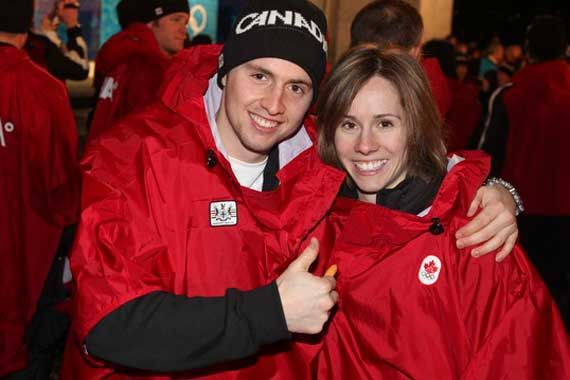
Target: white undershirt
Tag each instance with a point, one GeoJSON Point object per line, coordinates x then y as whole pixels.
{"type": "Point", "coordinates": [248, 175]}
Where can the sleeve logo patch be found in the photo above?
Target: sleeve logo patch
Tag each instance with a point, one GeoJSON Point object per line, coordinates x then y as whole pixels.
{"type": "Point", "coordinates": [6, 128]}
{"type": "Point", "coordinates": [429, 270]}
{"type": "Point", "coordinates": [108, 88]}
{"type": "Point", "coordinates": [223, 213]}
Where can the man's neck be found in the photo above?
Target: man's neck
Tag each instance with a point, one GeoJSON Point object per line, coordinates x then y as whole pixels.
{"type": "Point", "coordinates": [167, 54]}
{"type": "Point", "coordinates": [17, 40]}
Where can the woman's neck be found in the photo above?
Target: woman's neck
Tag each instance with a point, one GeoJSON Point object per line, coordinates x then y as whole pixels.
{"type": "Point", "coordinates": [367, 197]}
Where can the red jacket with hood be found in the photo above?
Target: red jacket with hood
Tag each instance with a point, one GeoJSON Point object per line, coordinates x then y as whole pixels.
{"type": "Point", "coordinates": [537, 157]}
{"type": "Point", "coordinates": [413, 306]}
{"type": "Point", "coordinates": [39, 191]}
{"type": "Point", "coordinates": [147, 223]}
{"type": "Point", "coordinates": [129, 72]}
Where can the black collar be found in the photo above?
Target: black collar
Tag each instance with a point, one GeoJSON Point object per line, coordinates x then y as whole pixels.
{"type": "Point", "coordinates": [412, 195]}
{"type": "Point", "coordinates": [270, 181]}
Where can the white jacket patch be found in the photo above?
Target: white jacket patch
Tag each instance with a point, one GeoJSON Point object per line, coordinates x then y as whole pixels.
{"type": "Point", "coordinates": [429, 270]}
{"type": "Point", "coordinates": [223, 213]}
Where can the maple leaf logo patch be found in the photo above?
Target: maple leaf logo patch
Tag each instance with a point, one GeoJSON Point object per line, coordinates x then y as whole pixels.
{"type": "Point", "coordinates": [430, 270]}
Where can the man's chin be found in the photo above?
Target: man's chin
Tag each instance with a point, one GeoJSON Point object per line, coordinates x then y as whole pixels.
{"type": "Point", "coordinates": [260, 149]}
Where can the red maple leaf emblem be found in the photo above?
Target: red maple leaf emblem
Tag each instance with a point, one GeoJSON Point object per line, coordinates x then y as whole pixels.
{"type": "Point", "coordinates": [431, 267]}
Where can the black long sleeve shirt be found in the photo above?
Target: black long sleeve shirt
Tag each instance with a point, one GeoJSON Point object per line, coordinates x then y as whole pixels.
{"type": "Point", "coordinates": [164, 332]}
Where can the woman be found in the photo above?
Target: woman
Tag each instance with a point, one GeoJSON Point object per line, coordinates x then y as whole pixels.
{"type": "Point", "coordinates": [412, 305]}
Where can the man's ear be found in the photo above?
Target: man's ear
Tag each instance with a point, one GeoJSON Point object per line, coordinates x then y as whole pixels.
{"type": "Point", "coordinates": [152, 24]}
{"type": "Point", "coordinates": [416, 52]}
{"type": "Point", "coordinates": [224, 80]}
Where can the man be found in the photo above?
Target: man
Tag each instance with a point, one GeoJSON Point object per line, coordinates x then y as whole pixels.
{"type": "Point", "coordinates": [220, 232]}
{"type": "Point", "coordinates": [215, 188]}
{"type": "Point", "coordinates": [513, 56]}
{"type": "Point", "coordinates": [526, 136]}
{"type": "Point", "coordinates": [131, 65]}
{"type": "Point", "coordinates": [64, 61]}
{"type": "Point", "coordinates": [39, 189]}
{"type": "Point", "coordinates": [493, 58]}
{"type": "Point", "coordinates": [397, 24]}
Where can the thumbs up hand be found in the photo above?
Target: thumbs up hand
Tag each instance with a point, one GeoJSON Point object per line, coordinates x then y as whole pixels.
{"type": "Point", "coordinates": [306, 299]}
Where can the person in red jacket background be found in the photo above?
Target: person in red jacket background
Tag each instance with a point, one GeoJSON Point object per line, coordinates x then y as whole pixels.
{"type": "Point", "coordinates": [127, 14]}
{"type": "Point", "coordinates": [39, 192]}
{"type": "Point", "coordinates": [526, 136]}
{"type": "Point", "coordinates": [411, 304]}
{"type": "Point", "coordinates": [131, 65]}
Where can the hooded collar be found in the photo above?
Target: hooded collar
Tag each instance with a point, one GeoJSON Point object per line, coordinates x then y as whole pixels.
{"type": "Point", "coordinates": [11, 55]}
{"type": "Point", "coordinates": [136, 39]}
{"type": "Point", "coordinates": [540, 79]}
{"type": "Point", "coordinates": [369, 224]}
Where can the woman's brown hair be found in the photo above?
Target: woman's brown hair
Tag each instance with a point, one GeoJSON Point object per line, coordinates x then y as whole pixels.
{"type": "Point", "coordinates": [425, 153]}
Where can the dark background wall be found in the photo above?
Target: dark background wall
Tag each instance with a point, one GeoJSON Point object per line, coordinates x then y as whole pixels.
{"type": "Point", "coordinates": [479, 20]}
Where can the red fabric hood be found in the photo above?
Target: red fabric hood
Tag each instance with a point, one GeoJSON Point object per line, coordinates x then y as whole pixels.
{"type": "Point", "coordinates": [544, 79]}
{"type": "Point", "coordinates": [11, 56]}
{"type": "Point", "coordinates": [188, 75]}
{"type": "Point", "coordinates": [137, 39]}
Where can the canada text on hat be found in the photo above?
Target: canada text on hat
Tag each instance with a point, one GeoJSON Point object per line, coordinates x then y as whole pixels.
{"type": "Point", "coordinates": [275, 18]}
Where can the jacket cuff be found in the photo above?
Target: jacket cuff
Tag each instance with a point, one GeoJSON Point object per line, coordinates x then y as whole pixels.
{"type": "Point", "coordinates": [264, 311]}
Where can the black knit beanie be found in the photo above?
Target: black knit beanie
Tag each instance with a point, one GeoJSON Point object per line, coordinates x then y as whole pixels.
{"type": "Point", "coordinates": [150, 10]}
{"type": "Point", "coordinates": [16, 15]}
{"type": "Point", "coordinates": [294, 30]}
{"type": "Point", "coordinates": [127, 12]}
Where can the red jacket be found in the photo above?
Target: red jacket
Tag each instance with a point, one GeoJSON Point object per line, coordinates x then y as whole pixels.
{"type": "Point", "coordinates": [537, 157]}
{"type": "Point", "coordinates": [39, 191]}
{"type": "Point", "coordinates": [146, 223]}
{"type": "Point", "coordinates": [129, 72]}
{"type": "Point", "coordinates": [413, 306]}
{"type": "Point", "coordinates": [464, 114]}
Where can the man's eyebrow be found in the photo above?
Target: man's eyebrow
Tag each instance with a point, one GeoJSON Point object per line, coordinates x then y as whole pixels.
{"type": "Point", "coordinates": [261, 69]}
{"type": "Point", "coordinates": [301, 81]}
{"type": "Point", "coordinates": [267, 72]}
